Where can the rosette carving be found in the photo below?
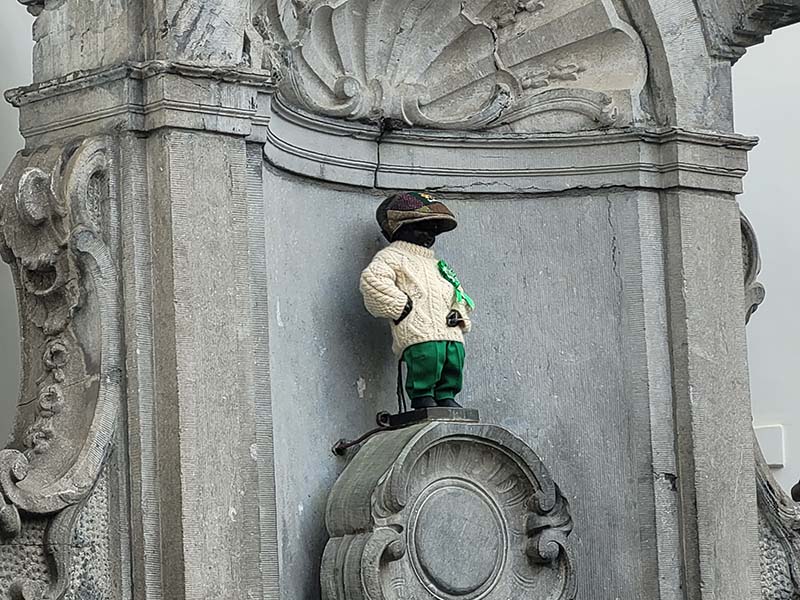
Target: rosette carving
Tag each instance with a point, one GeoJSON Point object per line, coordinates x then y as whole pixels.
{"type": "Point", "coordinates": [447, 510]}
{"type": "Point", "coordinates": [460, 64]}
{"type": "Point", "coordinates": [58, 233]}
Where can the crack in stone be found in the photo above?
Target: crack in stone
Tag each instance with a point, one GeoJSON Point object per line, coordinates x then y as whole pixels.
{"type": "Point", "coordinates": [498, 62]}
{"type": "Point", "coordinates": [614, 245]}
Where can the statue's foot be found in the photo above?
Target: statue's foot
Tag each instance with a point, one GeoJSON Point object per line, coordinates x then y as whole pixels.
{"type": "Point", "coordinates": [448, 403]}
{"type": "Point", "coordinates": [423, 402]}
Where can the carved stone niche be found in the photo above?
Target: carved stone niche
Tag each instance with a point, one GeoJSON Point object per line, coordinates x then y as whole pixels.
{"type": "Point", "coordinates": [519, 65]}
{"type": "Point", "coordinates": [449, 511]}
{"type": "Point", "coordinates": [59, 234]}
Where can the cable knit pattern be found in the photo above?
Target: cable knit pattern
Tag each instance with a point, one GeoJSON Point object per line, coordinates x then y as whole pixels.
{"type": "Point", "coordinates": [403, 270]}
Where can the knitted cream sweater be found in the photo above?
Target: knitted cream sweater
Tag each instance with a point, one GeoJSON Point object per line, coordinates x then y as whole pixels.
{"type": "Point", "coordinates": [403, 270]}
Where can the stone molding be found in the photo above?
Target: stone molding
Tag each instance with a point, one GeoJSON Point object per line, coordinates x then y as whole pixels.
{"type": "Point", "coordinates": [398, 515]}
{"type": "Point", "coordinates": [358, 154]}
{"type": "Point", "coordinates": [144, 96]}
{"type": "Point", "coordinates": [59, 233]}
{"type": "Point", "coordinates": [731, 27]}
{"type": "Point", "coordinates": [521, 65]}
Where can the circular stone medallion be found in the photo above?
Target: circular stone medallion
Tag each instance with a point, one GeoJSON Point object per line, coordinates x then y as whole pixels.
{"type": "Point", "coordinates": [459, 539]}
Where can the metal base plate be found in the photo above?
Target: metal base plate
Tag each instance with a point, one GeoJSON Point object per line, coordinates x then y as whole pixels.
{"type": "Point", "coordinates": [469, 415]}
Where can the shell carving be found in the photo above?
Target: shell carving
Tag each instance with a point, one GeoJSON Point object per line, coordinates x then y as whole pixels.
{"type": "Point", "coordinates": [528, 65]}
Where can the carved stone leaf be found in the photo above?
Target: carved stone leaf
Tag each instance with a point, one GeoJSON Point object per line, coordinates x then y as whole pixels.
{"type": "Point", "coordinates": [477, 64]}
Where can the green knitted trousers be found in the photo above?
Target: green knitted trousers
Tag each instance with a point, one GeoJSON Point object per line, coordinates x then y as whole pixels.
{"type": "Point", "coordinates": [434, 369]}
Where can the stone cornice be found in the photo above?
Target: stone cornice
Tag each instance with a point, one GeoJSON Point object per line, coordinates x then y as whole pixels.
{"type": "Point", "coordinates": [733, 26]}
{"type": "Point", "coordinates": [35, 7]}
{"type": "Point", "coordinates": [143, 96]}
{"type": "Point", "coordinates": [496, 163]}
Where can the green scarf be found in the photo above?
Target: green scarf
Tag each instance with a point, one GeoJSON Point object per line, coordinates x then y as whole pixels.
{"type": "Point", "coordinates": [451, 277]}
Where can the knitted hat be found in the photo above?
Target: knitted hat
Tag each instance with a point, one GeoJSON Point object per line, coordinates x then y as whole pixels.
{"type": "Point", "coordinates": [412, 207]}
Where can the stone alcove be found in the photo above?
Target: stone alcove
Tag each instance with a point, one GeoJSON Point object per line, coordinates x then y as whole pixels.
{"type": "Point", "coordinates": [225, 246]}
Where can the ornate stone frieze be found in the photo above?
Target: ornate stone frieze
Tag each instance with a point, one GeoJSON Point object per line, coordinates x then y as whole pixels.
{"type": "Point", "coordinates": [447, 510]}
{"type": "Point", "coordinates": [527, 66]}
{"type": "Point", "coordinates": [58, 232]}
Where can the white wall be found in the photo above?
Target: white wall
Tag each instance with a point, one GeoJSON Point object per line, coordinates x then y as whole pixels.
{"type": "Point", "coordinates": [767, 88]}
{"type": "Point", "coordinates": [15, 70]}
{"type": "Point", "coordinates": [767, 84]}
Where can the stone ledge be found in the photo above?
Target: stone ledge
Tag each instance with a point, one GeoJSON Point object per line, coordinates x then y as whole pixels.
{"type": "Point", "coordinates": [362, 155]}
{"type": "Point", "coordinates": [144, 97]}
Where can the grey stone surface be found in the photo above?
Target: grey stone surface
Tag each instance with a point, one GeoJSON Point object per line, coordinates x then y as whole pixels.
{"type": "Point", "coordinates": [447, 510]}
{"type": "Point", "coordinates": [357, 154]}
{"type": "Point", "coordinates": [779, 538]}
{"type": "Point", "coordinates": [204, 312]}
{"type": "Point", "coordinates": [206, 474]}
{"type": "Point", "coordinates": [60, 234]}
{"type": "Point", "coordinates": [778, 512]}
{"type": "Point", "coordinates": [711, 394]}
{"type": "Point", "coordinates": [195, 491]}
{"type": "Point", "coordinates": [523, 66]}
{"type": "Point", "coordinates": [561, 355]}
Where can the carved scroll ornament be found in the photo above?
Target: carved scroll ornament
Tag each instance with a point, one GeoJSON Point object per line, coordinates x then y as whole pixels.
{"type": "Point", "coordinates": [779, 537]}
{"type": "Point", "coordinates": [58, 233]}
{"type": "Point", "coordinates": [778, 513]}
{"type": "Point", "coordinates": [528, 65]}
{"type": "Point", "coordinates": [447, 511]}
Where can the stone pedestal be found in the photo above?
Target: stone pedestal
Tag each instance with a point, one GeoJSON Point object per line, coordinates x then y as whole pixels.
{"type": "Point", "coordinates": [187, 224]}
{"type": "Point", "coordinates": [447, 510]}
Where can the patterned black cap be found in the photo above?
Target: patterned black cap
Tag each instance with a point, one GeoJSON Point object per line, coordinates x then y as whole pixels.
{"type": "Point", "coordinates": [412, 207]}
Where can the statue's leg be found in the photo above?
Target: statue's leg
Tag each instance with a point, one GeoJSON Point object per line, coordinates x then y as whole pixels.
{"type": "Point", "coordinates": [452, 378]}
{"type": "Point", "coordinates": [425, 362]}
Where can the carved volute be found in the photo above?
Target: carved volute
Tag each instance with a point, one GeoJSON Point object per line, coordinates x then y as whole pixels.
{"type": "Point", "coordinates": [58, 234]}
{"type": "Point", "coordinates": [778, 512]}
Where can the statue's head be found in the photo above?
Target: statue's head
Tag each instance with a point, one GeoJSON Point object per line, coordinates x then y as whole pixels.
{"type": "Point", "coordinates": [414, 217]}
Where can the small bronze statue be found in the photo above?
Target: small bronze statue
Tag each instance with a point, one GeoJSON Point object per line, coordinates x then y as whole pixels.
{"type": "Point", "coordinates": [422, 297]}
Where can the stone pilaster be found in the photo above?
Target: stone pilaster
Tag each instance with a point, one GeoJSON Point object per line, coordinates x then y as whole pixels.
{"type": "Point", "coordinates": [148, 117]}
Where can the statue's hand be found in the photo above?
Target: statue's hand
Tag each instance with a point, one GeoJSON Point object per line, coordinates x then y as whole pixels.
{"type": "Point", "coordinates": [406, 311]}
{"type": "Point", "coordinates": [454, 319]}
